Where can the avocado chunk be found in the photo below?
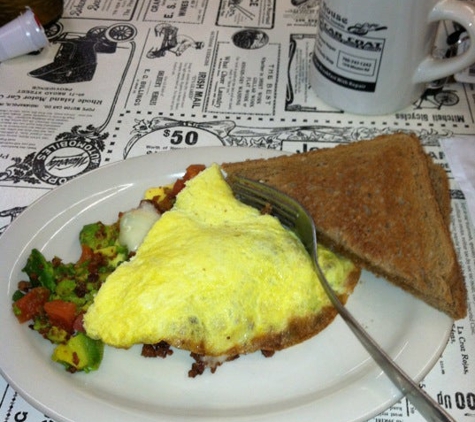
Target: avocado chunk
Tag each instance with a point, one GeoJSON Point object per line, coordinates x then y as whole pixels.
{"type": "Point", "coordinates": [80, 353]}
{"type": "Point", "coordinates": [40, 271]}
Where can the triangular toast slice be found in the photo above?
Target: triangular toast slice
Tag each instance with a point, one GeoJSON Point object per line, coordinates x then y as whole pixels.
{"type": "Point", "coordinates": [384, 204]}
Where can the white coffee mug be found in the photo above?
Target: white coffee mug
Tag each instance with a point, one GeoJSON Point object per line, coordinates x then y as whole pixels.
{"type": "Point", "coordinates": [375, 56]}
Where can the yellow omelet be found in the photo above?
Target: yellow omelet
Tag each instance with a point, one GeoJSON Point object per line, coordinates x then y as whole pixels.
{"type": "Point", "coordinates": [216, 277]}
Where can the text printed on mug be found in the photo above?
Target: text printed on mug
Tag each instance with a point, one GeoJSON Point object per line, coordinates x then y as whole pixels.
{"type": "Point", "coordinates": [348, 54]}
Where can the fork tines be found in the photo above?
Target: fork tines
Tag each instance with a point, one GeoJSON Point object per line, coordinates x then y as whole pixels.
{"type": "Point", "coordinates": [265, 198]}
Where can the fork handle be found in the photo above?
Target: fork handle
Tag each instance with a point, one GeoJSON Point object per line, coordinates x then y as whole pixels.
{"type": "Point", "coordinates": [426, 406]}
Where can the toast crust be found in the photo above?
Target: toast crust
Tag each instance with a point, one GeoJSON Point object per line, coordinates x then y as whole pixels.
{"type": "Point", "coordinates": [440, 183]}
{"type": "Point", "coordinates": [382, 203]}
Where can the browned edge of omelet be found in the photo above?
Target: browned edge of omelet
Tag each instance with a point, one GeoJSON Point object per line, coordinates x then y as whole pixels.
{"type": "Point", "coordinates": [299, 328]}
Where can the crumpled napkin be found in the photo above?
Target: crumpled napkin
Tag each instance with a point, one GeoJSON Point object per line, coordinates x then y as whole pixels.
{"type": "Point", "coordinates": [460, 154]}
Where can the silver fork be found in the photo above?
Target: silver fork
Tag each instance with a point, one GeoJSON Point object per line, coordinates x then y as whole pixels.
{"type": "Point", "coordinates": [295, 217]}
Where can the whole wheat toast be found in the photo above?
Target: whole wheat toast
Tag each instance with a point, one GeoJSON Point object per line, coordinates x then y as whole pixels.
{"type": "Point", "coordinates": [384, 204]}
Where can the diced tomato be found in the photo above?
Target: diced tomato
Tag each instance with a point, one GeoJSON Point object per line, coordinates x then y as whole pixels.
{"type": "Point", "coordinates": [86, 254]}
{"type": "Point", "coordinates": [31, 304]}
{"type": "Point", "coordinates": [193, 170]}
{"type": "Point", "coordinates": [61, 314]}
{"type": "Point", "coordinates": [178, 186]}
{"type": "Point", "coordinates": [78, 324]}
{"type": "Point", "coordinates": [165, 204]}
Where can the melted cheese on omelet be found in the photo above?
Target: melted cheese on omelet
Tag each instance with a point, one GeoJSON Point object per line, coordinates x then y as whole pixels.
{"type": "Point", "coordinates": [210, 276]}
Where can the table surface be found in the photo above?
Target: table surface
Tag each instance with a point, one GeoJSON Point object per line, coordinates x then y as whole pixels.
{"type": "Point", "coordinates": [128, 78]}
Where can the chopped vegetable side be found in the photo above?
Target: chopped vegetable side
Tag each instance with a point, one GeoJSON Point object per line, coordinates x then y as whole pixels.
{"type": "Point", "coordinates": [56, 295]}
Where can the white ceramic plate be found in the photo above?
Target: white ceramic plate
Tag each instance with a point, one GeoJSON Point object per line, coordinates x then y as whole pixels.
{"type": "Point", "coordinates": [329, 377]}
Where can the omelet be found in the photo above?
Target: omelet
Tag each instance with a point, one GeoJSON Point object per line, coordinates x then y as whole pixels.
{"type": "Point", "coordinates": [216, 277]}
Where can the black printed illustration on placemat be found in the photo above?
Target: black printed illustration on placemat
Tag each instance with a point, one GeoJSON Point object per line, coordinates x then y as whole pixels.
{"type": "Point", "coordinates": [235, 7]}
{"type": "Point", "coordinates": [163, 133]}
{"type": "Point", "coordinates": [250, 39]}
{"type": "Point", "coordinates": [172, 42]}
{"type": "Point", "coordinates": [437, 96]}
{"type": "Point", "coordinates": [7, 216]}
{"type": "Point", "coordinates": [73, 153]}
{"type": "Point", "coordinates": [76, 58]}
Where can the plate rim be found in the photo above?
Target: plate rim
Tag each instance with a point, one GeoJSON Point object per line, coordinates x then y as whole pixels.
{"type": "Point", "coordinates": [190, 153]}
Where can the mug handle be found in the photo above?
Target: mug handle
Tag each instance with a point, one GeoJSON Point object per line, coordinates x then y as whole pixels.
{"type": "Point", "coordinates": [463, 13]}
